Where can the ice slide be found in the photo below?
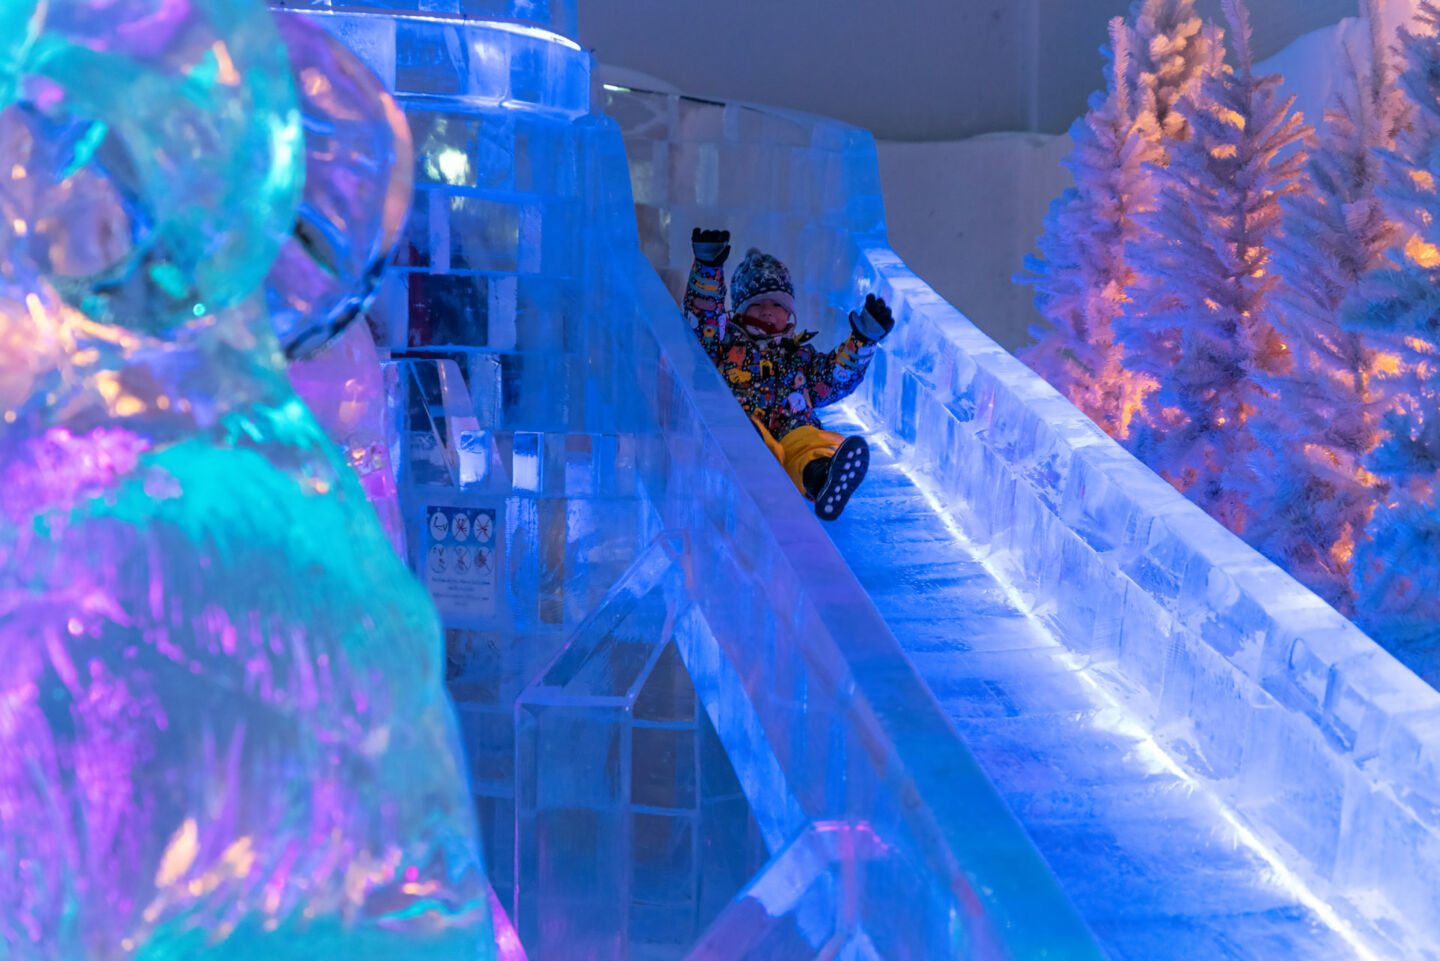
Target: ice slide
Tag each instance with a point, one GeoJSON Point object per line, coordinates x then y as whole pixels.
{"type": "Point", "coordinates": [1209, 759]}
{"type": "Point", "coordinates": [1024, 702]}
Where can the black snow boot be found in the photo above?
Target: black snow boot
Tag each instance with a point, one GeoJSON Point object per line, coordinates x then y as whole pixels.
{"type": "Point", "coordinates": [831, 480]}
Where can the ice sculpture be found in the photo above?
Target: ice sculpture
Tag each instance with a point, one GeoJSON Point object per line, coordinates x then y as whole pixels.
{"type": "Point", "coordinates": [222, 727]}
{"type": "Point", "coordinates": [359, 173]}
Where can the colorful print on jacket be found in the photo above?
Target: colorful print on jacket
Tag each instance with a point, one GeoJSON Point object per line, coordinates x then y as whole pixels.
{"type": "Point", "coordinates": [780, 381]}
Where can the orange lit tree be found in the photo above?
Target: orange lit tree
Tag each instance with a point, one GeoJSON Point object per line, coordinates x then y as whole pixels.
{"type": "Point", "coordinates": [1197, 321]}
{"type": "Point", "coordinates": [1080, 274]}
{"type": "Point", "coordinates": [1310, 496]}
{"type": "Point", "coordinates": [1396, 573]}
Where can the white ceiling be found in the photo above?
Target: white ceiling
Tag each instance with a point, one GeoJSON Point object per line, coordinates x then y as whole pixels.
{"type": "Point", "coordinates": [904, 69]}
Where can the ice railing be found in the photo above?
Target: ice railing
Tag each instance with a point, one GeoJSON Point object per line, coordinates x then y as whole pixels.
{"type": "Point", "coordinates": [559, 16]}
{"type": "Point", "coordinates": [848, 765]}
{"type": "Point", "coordinates": [1324, 744]}
{"type": "Point", "coordinates": [456, 53]}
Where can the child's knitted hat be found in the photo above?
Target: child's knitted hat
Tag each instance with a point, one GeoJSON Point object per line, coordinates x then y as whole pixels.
{"type": "Point", "coordinates": [761, 276]}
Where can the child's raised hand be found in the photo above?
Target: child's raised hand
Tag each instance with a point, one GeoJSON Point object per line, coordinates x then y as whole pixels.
{"type": "Point", "coordinates": [873, 321]}
{"type": "Point", "coordinates": [711, 246]}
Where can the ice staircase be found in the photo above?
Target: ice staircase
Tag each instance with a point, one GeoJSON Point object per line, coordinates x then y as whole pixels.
{"type": "Point", "coordinates": [1213, 763]}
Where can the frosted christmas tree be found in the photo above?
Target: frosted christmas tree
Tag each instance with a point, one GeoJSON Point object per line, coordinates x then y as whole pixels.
{"type": "Point", "coordinates": [1173, 52]}
{"type": "Point", "coordinates": [1396, 574]}
{"type": "Point", "coordinates": [1311, 497]}
{"type": "Point", "coordinates": [1081, 275]}
{"type": "Point", "coordinates": [1197, 324]}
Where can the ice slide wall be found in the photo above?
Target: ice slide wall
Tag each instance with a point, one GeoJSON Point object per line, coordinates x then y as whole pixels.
{"type": "Point", "coordinates": [545, 376]}
{"type": "Point", "coordinates": [1318, 739]}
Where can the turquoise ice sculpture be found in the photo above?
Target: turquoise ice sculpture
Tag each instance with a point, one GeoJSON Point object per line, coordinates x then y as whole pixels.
{"type": "Point", "coordinates": [359, 178]}
{"type": "Point", "coordinates": [222, 727]}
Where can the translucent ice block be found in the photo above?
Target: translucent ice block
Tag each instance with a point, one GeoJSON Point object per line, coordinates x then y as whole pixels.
{"type": "Point", "coordinates": [343, 386]}
{"type": "Point", "coordinates": [476, 61]}
{"type": "Point", "coordinates": [831, 893]}
{"type": "Point", "coordinates": [556, 15]}
{"type": "Point", "coordinates": [634, 832]}
{"type": "Point", "coordinates": [358, 176]}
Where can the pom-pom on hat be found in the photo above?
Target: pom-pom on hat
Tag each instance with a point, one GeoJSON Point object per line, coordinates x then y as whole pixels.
{"type": "Point", "coordinates": [761, 277]}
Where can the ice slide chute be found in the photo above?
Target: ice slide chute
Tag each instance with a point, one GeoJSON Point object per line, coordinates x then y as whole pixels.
{"type": "Point", "coordinates": [1207, 761]}
{"type": "Point", "coordinates": [1213, 762]}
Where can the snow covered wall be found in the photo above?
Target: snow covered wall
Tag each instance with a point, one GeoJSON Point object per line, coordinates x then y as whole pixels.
{"type": "Point", "coordinates": [1316, 741]}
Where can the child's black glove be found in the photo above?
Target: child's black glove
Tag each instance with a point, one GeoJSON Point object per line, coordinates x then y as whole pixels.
{"type": "Point", "coordinates": [873, 321]}
{"type": "Point", "coordinates": [711, 246]}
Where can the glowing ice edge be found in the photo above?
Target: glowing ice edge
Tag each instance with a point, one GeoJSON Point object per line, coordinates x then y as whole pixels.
{"type": "Point", "coordinates": [1119, 717]}
{"type": "Point", "coordinates": [505, 26]}
{"type": "Point", "coordinates": [942, 335]}
{"type": "Point", "coordinates": [571, 102]}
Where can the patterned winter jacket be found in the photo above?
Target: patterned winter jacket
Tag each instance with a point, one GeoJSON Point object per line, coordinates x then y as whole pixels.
{"type": "Point", "coordinates": [782, 381]}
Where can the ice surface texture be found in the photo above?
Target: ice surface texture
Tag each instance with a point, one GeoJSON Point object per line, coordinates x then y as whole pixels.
{"type": "Point", "coordinates": [343, 386]}
{"type": "Point", "coordinates": [198, 192]}
{"type": "Point", "coordinates": [224, 732]}
{"type": "Point", "coordinates": [359, 172]}
{"type": "Point", "coordinates": [468, 62]}
{"type": "Point", "coordinates": [359, 162]}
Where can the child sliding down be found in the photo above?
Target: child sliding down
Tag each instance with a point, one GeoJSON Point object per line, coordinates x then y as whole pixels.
{"type": "Point", "coordinates": [776, 375]}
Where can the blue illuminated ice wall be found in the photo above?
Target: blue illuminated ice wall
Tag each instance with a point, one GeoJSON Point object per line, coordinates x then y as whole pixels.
{"type": "Point", "coordinates": [540, 408]}
{"type": "Point", "coordinates": [482, 316]}
{"type": "Point", "coordinates": [554, 402]}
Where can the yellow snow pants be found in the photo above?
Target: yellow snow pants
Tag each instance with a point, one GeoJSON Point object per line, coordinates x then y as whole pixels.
{"type": "Point", "coordinates": [799, 447]}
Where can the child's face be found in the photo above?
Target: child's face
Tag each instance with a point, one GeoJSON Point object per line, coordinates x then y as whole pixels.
{"type": "Point", "coordinates": [767, 316]}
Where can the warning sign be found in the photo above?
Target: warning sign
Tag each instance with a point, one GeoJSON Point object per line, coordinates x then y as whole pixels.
{"type": "Point", "coordinates": [460, 561]}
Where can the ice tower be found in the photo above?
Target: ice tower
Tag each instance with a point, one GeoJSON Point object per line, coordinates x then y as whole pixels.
{"type": "Point", "coordinates": [517, 510]}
